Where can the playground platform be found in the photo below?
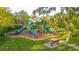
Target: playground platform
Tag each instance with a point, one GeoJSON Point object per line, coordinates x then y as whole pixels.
{"type": "Point", "coordinates": [28, 36]}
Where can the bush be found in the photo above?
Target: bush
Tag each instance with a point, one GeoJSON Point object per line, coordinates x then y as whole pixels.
{"type": "Point", "coordinates": [13, 28]}
{"type": "Point", "coordinates": [4, 30]}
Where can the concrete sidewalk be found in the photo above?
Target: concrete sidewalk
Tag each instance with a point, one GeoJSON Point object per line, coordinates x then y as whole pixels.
{"type": "Point", "coordinates": [61, 43]}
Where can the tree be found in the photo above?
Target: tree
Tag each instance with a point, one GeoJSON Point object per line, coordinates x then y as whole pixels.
{"type": "Point", "coordinates": [22, 16]}
{"type": "Point", "coordinates": [34, 12]}
{"type": "Point", "coordinates": [6, 17]}
{"type": "Point", "coordinates": [67, 21]}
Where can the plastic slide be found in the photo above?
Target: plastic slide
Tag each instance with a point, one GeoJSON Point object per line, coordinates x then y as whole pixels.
{"type": "Point", "coordinates": [20, 30]}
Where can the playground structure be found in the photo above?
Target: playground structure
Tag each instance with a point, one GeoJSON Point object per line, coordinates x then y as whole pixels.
{"type": "Point", "coordinates": [36, 28]}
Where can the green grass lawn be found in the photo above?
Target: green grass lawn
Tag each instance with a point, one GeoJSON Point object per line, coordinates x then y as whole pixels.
{"type": "Point", "coordinates": [21, 44]}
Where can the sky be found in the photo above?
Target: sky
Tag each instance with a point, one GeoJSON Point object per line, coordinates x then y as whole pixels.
{"type": "Point", "coordinates": [30, 5]}
{"type": "Point", "coordinates": [30, 9]}
{"type": "Point", "coordinates": [27, 9]}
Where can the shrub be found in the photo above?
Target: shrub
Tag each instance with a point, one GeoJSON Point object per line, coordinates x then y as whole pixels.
{"type": "Point", "coordinates": [4, 30]}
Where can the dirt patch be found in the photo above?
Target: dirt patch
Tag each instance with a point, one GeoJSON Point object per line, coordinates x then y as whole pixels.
{"type": "Point", "coordinates": [28, 36]}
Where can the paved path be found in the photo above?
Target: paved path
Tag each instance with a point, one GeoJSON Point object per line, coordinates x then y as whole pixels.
{"type": "Point", "coordinates": [71, 45]}
{"type": "Point", "coordinates": [61, 43]}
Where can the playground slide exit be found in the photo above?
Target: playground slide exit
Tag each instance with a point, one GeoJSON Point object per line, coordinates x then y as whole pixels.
{"type": "Point", "coordinates": [20, 30]}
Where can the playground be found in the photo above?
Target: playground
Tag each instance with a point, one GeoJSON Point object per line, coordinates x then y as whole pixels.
{"type": "Point", "coordinates": [40, 33]}
{"type": "Point", "coordinates": [33, 32]}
